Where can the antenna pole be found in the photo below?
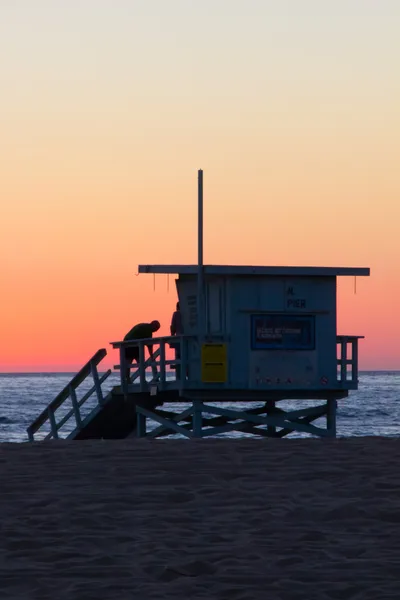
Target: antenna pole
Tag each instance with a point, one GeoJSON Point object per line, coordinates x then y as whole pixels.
{"type": "Point", "coordinates": [200, 279]}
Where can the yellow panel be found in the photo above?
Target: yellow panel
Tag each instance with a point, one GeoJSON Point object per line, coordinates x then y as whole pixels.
{"type": "Point", "coordinates": [214, 363]}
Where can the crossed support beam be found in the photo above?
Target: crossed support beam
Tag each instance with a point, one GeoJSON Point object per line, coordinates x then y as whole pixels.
{"type": "Point", "coordinates": [266, 421]}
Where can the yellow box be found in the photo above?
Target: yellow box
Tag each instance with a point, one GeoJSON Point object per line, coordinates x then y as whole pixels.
{"type": "Point", "coordinates": [214, 363]}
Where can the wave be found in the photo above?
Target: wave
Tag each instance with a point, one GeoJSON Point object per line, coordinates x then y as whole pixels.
{"type": "Point", "coordinates": [5, 420]}
{"type": "Point", "coordinates": [357, 414]}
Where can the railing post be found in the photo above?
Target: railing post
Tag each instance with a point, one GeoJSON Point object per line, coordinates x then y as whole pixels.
{"type": "Point", "coordinates": [53, 423]}
{"type": "Point", "coordinates": [123, 366]}
{"type": "Point", "coordinates": [96, 381]}
{"type": "Point", "coordinates": [75, 406]}
{"type": "Point", "coordinates": [30, 436]}
{"type": "Point", "coordinates": [343, 358]}
{"type": "Point", "coordinates": [338, 358]}
{"type": "Point", "coordinates": [162, 364]}
{"type": "Point", "coordinates": [183, 359]}
{"type": "Point", "coordinates": [142, 368]}
{"type": "Point", "coordinates": [354, 358]}
{"type": "Point", "coordinates": [153, 362]}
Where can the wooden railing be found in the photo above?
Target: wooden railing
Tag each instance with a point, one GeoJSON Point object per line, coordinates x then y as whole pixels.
{"type": "Point", "coordinates": [347, 356]}
{"type": "Point", "coordinates": [69, 392]}
{"type": "Point", "coordinates": [153, 368]}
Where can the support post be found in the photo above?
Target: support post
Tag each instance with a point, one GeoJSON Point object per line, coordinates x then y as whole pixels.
{"type": "Point", "coordinates": [197, 418]}
{"type": "Point", "coordinates": [331, 406]}
{"type": "Point", "coordinates": [141, 424]}
{"type": "Point", "coordinates": [270, 406]}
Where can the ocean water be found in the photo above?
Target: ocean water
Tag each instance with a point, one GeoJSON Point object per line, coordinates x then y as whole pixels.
{"type": "Point", "coordinates": [374, 409]}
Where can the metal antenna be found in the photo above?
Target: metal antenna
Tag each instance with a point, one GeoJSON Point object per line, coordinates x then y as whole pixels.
{"type": "Point", "coordinates": [200, 278]}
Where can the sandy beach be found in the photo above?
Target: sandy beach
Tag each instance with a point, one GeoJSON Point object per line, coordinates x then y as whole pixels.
{"type": "Point", "coordinates": [219, 519]}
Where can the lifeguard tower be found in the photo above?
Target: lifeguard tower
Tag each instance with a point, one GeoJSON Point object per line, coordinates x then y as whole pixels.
{"type": "Point", "coordinates": [251, 335]}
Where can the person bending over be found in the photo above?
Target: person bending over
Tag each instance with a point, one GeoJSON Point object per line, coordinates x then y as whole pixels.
{"type": "Point", "coordinates": [140, 331]}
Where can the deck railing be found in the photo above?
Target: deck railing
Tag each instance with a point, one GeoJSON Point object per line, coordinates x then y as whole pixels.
{"type": "Point", "coordinates": [49, 416]}
{"type": "Point", "coordinates": [347, 356]}
{"type": "Point", "coordinates": [153, 368]}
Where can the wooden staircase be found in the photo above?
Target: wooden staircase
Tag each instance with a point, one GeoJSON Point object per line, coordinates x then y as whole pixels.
{"type": "Point", "coordinates": [96, 415]}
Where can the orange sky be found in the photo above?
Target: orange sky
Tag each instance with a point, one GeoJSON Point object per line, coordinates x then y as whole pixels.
{"type": "Point", "coordinates": [107, 114]}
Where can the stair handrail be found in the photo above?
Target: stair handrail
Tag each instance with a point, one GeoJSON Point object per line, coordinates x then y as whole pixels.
{"type": "Point", "coordinates": [65, 393]}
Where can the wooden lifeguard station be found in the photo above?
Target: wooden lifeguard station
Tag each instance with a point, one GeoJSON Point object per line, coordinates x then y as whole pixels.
{"type": "Point", "coordinates": [251, 335]}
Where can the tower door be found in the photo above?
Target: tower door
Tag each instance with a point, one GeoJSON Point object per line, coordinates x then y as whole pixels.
{"type": "Point", "coordinates": [215, 307]}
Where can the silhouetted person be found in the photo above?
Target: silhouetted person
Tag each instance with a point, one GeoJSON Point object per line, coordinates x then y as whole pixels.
{"type": "Point", "coordinates": [141, 331]}
{"type": "Point", "coordinates": [177, 329]}
{"type": "Point", "coordinates": [176, 322]}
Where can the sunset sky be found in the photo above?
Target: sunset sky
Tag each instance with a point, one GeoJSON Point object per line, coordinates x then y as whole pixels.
{"type": "Point", "coordinates": [109, 107]}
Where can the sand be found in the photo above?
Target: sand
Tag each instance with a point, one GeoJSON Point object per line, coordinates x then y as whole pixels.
{"type": "Point", "coordinates": [215, 519]}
